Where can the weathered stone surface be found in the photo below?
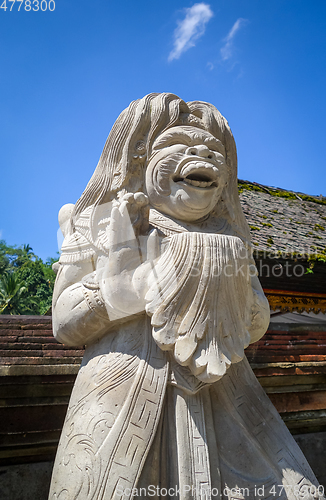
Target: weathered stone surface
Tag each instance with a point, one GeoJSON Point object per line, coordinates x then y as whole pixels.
{"type": "Point", "coordinates": [149, 280]}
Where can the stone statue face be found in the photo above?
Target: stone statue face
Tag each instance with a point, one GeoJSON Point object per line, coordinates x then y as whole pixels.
{"type": "Point", "coordinates": [186, 173]}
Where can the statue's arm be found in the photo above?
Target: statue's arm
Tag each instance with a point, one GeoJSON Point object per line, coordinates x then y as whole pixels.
{"type": "Point", "coordinates": [79, 314]}
{"type": "Point", "coordinates": [90, 297]}
{"type": "Point", "coordinates": [260, 316]}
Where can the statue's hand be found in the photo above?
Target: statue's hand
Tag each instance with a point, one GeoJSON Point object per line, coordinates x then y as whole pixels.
{"type": "Point", "coordinates": [122, 275]}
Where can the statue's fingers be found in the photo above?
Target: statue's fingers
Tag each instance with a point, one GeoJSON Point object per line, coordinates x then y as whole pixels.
{"type": "Point", "coordinates": [128, 197]}
{"type": "Point", "coordinates": [126, 231]}
{"type": "Point", "coordinates": [141, 199]}
{"type": "Point", "coordinates": [153, 246]}
{"type": "Point", "coordinates": [113, 229]}
{"type": "Point", "coordinates": [123, 207]}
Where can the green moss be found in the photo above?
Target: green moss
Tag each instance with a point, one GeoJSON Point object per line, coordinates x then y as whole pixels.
{"type": "Point", "coordinates": [254, 228]}
{"type": "Point", "coordinates": [249, 187]}
{"type": "Point", "coordinates": [284, 232]}
{"type": "Point", "coordinates": [284, 194]}
{"type": "Point", "coordinates": [318, 227]}
{"type": "Point", "coordinates": [314, 200]}
{"type": "Point", "coordinates": [255, 243]}
{"type": "Point", "coordinates": [267, 224]}
{"type": "Point", "coordinates": [275, 211]}
{"type": "Point", "coordinates": [279, 193]}
{"type": "Point", "coordinates": [317, 257]}
{"type": "Point", "coordinates": [270, 240]}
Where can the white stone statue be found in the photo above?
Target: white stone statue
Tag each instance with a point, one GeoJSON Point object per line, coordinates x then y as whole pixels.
{"type": "Point", "coordinates": [156, 277]}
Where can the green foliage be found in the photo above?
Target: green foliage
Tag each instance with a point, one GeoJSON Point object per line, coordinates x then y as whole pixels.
{"type": "Point", "coordinates": [4, 258]}
{"type": "Point", "coordinates": [11, 291]}
{"type": "Point", "coordinates": [26, 282]}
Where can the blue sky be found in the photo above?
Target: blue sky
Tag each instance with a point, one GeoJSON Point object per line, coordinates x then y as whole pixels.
{"type": "Point", "coordinates": [66, 75]}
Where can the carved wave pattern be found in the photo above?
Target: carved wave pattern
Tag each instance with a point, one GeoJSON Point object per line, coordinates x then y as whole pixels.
{"type": "Point", "coordinates": [200, 302]}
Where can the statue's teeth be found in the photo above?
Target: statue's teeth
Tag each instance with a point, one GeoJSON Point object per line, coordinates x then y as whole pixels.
{"type": "Point", "coordinates": [202, 184]}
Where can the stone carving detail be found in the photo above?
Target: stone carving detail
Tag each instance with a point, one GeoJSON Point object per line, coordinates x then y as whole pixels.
{"type": "Point", "coordinates": [156, 278]}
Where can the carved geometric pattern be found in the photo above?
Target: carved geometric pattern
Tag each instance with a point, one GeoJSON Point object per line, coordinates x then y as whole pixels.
{"type": "Point", "coordinates": [138, 427]}
{"type": "Point", "coordinates": [192, 442]}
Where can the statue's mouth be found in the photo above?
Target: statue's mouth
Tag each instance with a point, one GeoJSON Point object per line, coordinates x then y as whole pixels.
{"type": "Point", "coordinates": [198, 174]}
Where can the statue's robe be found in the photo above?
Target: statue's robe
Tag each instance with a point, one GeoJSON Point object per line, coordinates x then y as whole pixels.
{"type": "Point", "coordinates": [137, 419]}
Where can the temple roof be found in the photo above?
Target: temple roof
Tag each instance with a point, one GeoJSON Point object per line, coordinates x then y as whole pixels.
{"type": "Point", "coordinates": [284, 221]}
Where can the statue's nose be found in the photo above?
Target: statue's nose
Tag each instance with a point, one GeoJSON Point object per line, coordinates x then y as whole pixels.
{"type": "Point", "coordinates": [200, 150]}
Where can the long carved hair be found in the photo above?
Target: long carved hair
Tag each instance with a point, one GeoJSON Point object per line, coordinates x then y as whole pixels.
{"type": "Point", "coordinates": [122, 165]}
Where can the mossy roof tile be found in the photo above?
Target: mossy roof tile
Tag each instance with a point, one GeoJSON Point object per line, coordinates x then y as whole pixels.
{"type": "Point", "coordinates": [296, 222]}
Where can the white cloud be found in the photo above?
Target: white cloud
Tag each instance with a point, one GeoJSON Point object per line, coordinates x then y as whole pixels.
{"type": "Point", "coordinates": [190, 29]}
{"type": "Point", "coordinates": [226, 50]}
